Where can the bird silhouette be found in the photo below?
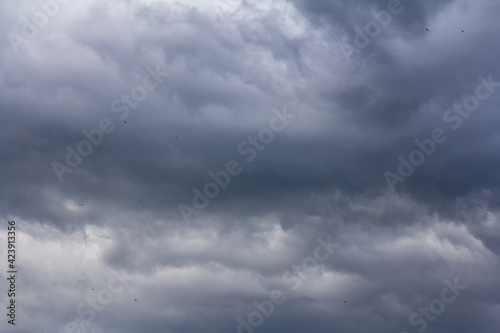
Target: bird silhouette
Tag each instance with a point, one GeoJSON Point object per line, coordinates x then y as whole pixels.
{"type": "Point", "coordinates": [82, 204]}
{"type": "Point", "coordinates": [462, 31]}
{"type": "Point", "coordinates": [136, 299]}
{"type": "Point", "coordinates": [175, 138]}
{"type": "Point", "coordinates": [345, 302]}
{"type": "Point", "coordinates": [124, 121]}
{"type": "Point", "coordinates": [427, 29]}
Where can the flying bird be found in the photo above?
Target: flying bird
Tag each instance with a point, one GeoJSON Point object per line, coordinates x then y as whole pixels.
{"type": "Point", "coordinates": [427, 29]}
{"type": "Point", "coordinates": [345, 302]}
{"type": "Point", "coordinates": [175, 138]}
{"type": "Point", "coordinates": [82, 204]}
{"type": "Point", "coordinates": [141, 200]}
{"type": "Point", "coordinates": [136, 299]}
{"type": "Point", "coordinates": [462, 31]}
{"type": "Point", "coordinates": [124, 121]}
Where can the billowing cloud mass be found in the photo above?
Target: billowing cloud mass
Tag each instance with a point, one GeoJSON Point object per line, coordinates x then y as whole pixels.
{"type": "Point", "coordinates": [251, 165]}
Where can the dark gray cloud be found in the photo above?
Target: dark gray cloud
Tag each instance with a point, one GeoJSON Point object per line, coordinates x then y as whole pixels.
{"type": "Point", "coordinates": [265, 97]}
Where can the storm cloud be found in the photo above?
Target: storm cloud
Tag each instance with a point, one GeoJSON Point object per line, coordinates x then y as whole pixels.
{"type": "Point", "coordinates": [251, 166]}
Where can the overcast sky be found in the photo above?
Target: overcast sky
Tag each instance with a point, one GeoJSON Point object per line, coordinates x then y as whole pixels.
{"type": "Point", "coordinates": [251, 165]}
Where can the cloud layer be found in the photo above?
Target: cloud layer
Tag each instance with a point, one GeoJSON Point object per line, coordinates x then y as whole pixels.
{"type": "Point", "coordinates": [176, 166]}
